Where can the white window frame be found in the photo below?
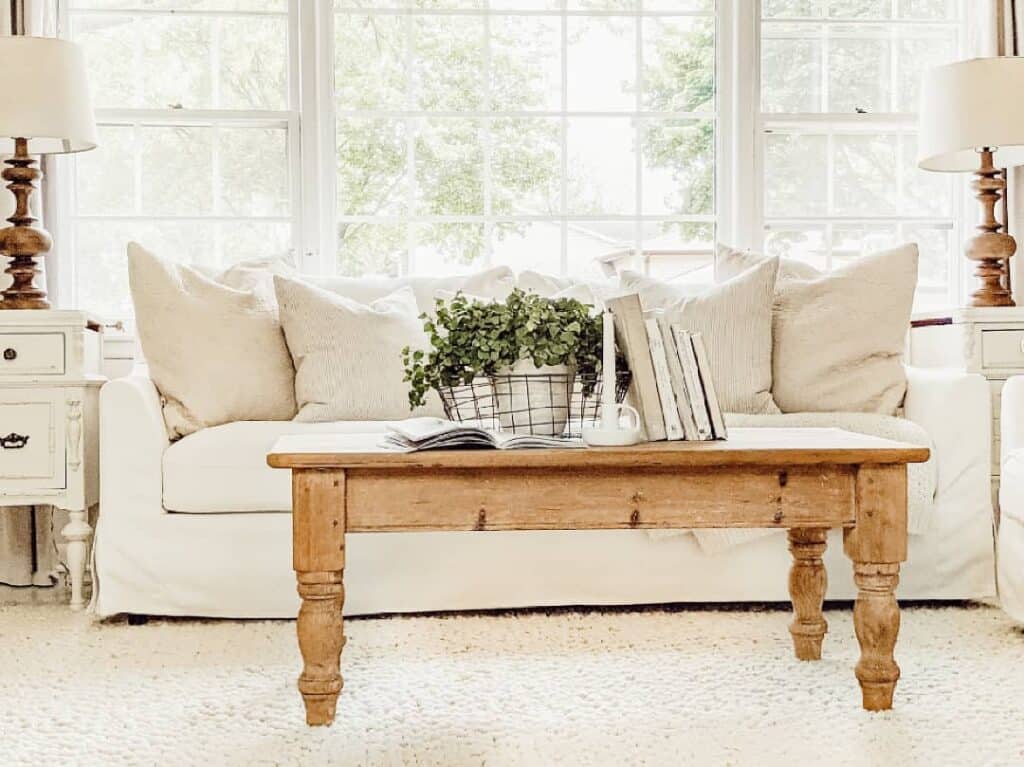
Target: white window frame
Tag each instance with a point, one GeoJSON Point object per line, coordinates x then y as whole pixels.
{"type": "Point", "coordinates": [303, 185]}
{"type": "Point", "coordinates": [750, 230]}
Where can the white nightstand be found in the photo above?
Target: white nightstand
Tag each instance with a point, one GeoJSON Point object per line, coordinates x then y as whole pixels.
{"type": "Point", "coordinates": [988, 341]}
{"type": "Point", "coordinates": [50, 364]}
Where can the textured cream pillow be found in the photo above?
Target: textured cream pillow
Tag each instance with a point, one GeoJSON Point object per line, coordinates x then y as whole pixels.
{"type": "Point", "coordinates": [348, 355]}
{"type": "Point", "coordinates": [736, 321]}
{"type": "Point", "coordinates": [839, 338]}
{"type": "Point", "coordinates": [215, 354]}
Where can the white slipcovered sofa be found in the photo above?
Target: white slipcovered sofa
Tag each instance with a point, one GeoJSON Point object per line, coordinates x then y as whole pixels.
{"type": "Point", "coordinates": [202, 527]}
{"type": "Point", "coordinates": [1010, 549]}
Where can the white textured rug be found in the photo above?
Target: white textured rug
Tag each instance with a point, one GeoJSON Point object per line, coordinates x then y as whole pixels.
{"type": "Point", "coordinates": [620, 687]}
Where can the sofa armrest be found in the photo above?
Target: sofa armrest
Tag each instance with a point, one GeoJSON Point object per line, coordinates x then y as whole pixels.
{"type": "Point", "coordinates": [1011, 416]}
{"type": "Point", "coordinates": [133, 439]}
{"type": "Point", "coordinates": [955, 408]}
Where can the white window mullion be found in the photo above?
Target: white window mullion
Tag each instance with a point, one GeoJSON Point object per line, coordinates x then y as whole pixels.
{"type": "Point", "coordinates": [564, 140]}
{"type": "Point", "coordinates": [638, 133]}
{"type": "Point", "coordinates": [485, 127]}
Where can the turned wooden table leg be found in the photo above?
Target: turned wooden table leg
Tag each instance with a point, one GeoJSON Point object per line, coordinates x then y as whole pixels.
{"type": "Point", "coordinates": [318, 538]}
{"type": "Point", "coordinates": [807, 583]}
{"type": "Point", "coordinates": [877, 544]}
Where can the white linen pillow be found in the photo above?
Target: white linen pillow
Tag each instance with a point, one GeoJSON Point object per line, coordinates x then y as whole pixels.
{"type": "Point", "coordinates": [215, 354]}
{"type": "Point", "coordinates": [735, 319]}
{"type": "Point", "coordinates": [839, 338]}
{"type": "Point", "coordinates": [659, 292]}
{"type": "Point", "coordinates": [347, 355]}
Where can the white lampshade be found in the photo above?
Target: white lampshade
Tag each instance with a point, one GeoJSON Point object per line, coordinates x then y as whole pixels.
{"type": "Point", "coordinates": [969, 105]}
{"type": "Point", "coordinates": [44, 96]}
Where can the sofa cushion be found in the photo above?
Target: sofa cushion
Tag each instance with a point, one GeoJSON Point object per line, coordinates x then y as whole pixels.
{"type": "Point", "coordinates": [224, 468]}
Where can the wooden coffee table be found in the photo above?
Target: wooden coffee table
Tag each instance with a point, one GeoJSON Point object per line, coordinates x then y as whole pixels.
{"type": "Point", "coordinates": [802, 480]}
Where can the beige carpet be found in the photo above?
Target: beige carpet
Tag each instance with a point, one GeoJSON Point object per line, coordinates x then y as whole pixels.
{"type": "Point", "coordinates": [603, 688]}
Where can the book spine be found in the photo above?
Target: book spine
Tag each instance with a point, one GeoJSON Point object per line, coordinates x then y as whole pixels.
{"type": "Point", "coordinates": [632, 335]}
{"type": "Point", "coordinates": [673, 427]}
{"type": "Point", "coordinates": [704, 369]}
{"type": "Point", "coordinates": [688, 360]}
{"type": "Point", "coordinates": [675, 371]}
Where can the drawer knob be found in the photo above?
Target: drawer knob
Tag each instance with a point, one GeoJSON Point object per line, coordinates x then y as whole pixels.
{"type": "Point", "coordinates": [10, 354]}
{"type": "Point", "coordinates": [14, 441]}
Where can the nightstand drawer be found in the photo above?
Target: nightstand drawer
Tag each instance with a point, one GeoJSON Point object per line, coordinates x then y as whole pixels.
{"type": "Point", "coordinates": [31, 354]}
{"type": "Point", "coordinates": [1002, 348]}
{"type": "Point", "coordinates": [31, 452]}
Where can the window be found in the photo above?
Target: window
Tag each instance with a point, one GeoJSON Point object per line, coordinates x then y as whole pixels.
{"type": "Point", "coordinates": [439, 136]}
{"type": "Point", "coordinates": [839, 91]}
{"type": "Point", "coordinates": [532, 133]}
{"type": "Point", "coordinates": [198, 137]}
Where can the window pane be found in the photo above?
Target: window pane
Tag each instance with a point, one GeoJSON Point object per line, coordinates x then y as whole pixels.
{"type": "Point", "coordinates": [448, 248]}
{"type": "Point", "coordinates": [109, 44]}
{"type": "Point", "coordinates": [177, 176]}
{"type": "Point", "coordinates": [448, 65]}
{"type": "Point", "coordinates": [924, 193]}
{"type": "Point", "coordinates": [253, 165]}
{"type": "Point", "coordinates": [934, 246]}
{"type": "Point", "coordinates": [933, 10]}
{"type": "Point", "coordinates": [526, 64]}
{"type": "Point", "coordinates": [917, 52]}
{"type": "Point", "coordinates": [793, 8]}
{"type": "Point", "coordinates": [528, 245]}
{"type": "Point", "coordinates": [679, 64]}
{"type": "Point", "coordinates": [370, 248]}
{"type": "Point", "coordinates": [860, 9]}
{"type": "Point", "coordinates": [679, 167]}
{"type": "Point", "coordinates": [588, 241]}
{"type": "Point", "coordinates": [801, 243]}
{"type": "Point", "coordinates": [371, 157]}
{"type": "Point", "coordinates": [858, 70]}
{"type": "Point", "coordinates": [796, 175]}
{"type": "Point", "coordinates": [791, 68]}
{"type": "Point", "coordinates": [105, 177]}
{"type": "Point", "coordinates": [602, 165]}
{"type": "Point", "coordinates": [449, 168]}
{"type": "Point", "coordinates": [244, 240]}
{"type": "Point", "coordinates": [253, 56]}
{"type": "Point", "coordinates": [852, 242]}
{"type": "Point", "coordinates": [279, 6]}
{"type": "Point", "coordinates": [526, 162]}
{"type": "Point", "coordinates": [865, 175]}
{"type": "Point", "coordinates": [369, 64]}
{"type": "Point", "coordinates": [176, 62]}
{"type": "Point", "coordinates": [602, 63]}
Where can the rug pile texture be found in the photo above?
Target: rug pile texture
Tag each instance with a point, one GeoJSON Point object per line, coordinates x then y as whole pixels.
{"type": "Point", "coordinates": [646, 686]}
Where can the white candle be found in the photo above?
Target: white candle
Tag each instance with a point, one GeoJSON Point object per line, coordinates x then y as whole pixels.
{"type": "Point", "coordinates": [608, 372]}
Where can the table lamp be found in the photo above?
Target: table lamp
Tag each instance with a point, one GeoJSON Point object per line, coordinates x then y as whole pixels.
{"type": "Point", "coordinates": [46, 110]}
{"type": "Point", "coordinates": [972, 119]}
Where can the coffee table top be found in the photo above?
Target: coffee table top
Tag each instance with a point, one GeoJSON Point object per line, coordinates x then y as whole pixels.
{"type": "Point", "coordinates": [745, 447]}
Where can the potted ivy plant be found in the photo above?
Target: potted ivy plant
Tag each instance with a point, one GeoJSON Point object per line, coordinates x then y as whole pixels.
{"type": "Point", "coordinates": [531, 349]}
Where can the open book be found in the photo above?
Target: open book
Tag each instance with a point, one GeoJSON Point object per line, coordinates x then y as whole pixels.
{"type": "Point", "coordinates": [414, 434]}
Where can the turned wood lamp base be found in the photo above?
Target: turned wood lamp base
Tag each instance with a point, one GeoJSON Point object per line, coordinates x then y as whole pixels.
{"type": "Point", "coordinates": [23, 242]}
{"type": "Point", "coordinates": [992, 248]}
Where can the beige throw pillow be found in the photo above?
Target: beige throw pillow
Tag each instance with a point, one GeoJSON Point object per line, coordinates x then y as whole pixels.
{"type": "Point", "coordinates": [348, 363]}
{"type": "Point", "coordinates": [839, 338]}
{"type": "Point", "coordinates": [736, 321]}
{"type": "Point", "coordinates": [215, 354]}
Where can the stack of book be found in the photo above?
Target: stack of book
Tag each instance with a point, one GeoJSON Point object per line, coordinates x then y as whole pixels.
{"type": "Point", "coordinates": [672, 384]}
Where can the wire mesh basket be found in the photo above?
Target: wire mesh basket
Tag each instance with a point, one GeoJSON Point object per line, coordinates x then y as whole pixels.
{"type": "Point", "coordinates": [549, 404]}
